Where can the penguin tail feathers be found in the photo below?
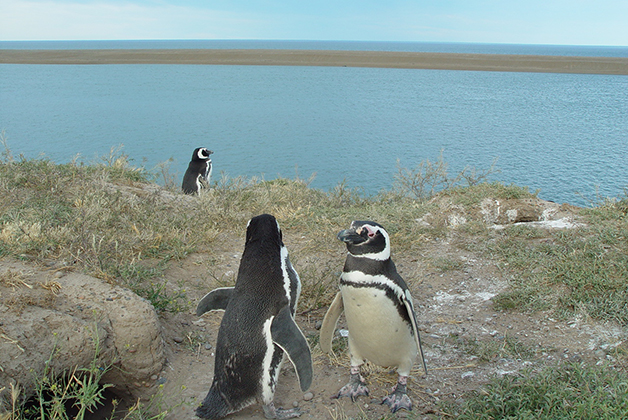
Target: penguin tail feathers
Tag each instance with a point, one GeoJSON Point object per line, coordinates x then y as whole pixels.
{"type": "Point", "coordinates": [214, 406]}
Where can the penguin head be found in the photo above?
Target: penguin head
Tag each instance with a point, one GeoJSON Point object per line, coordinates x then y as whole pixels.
{"type": "Point", "coordinates": [367, 240]}
{"type": "Point", "coordinates": [264, 228]}
{"type": "Point", "coordinates": [201, 153]}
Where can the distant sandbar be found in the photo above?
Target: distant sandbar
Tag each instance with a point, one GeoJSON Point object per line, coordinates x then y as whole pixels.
{"type": "Point", "coordinates": [382, 59]}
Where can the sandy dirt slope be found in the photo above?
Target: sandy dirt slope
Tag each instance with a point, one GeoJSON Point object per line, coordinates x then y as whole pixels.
{"type": "Point", "coordinates": [382, 59]}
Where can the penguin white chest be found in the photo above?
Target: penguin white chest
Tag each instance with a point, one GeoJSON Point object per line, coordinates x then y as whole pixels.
{"type": "Point", "coordinates": [377, 331]}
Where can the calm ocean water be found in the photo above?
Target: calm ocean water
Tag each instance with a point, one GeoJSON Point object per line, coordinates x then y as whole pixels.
{"type": "Point", "coordinates": [566, 135]}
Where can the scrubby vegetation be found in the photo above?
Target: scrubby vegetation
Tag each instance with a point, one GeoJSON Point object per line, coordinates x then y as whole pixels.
{"type": "Point", "coordinates": [571, 391]}
{"type": "Point", "coordinates": [108, 219]}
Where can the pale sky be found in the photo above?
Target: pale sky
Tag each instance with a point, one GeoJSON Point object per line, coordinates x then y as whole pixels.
{"type": "Point", "coordinates": [572, 22]}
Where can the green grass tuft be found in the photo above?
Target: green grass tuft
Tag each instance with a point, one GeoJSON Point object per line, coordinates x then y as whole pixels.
{"type": "Point", "coordinates": [578, 270]}
{"type": "Point", "coordinates": [569, 391]}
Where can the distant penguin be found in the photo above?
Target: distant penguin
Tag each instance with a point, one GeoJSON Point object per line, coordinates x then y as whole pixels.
{"type": "Point", "coordinates": [257, 329]}
{"type": "Point", "coordinates": [378, 310]}
{"type": "Point", "coordinates": [199, 171]}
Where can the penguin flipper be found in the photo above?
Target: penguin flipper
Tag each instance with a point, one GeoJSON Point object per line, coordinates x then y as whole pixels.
{"type": "Point", "coordinates": [216, 300]}
{"type": "Point", "coordinates": [410, 308]}
{"type": "Point", "coordinates": [329, 323]}
{"type": "Point", "coordinates": [287, 335]}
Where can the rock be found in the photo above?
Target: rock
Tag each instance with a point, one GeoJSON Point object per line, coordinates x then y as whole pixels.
{"type": "Point", "coordinates": [40, 322]}
{"type": "Point", "coordinates": [308, 396]}
{"type": "Point", "coordinates": [467, 375]}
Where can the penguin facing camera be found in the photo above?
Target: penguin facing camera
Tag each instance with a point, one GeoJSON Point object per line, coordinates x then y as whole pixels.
{"type": "Point", "coordinates": [199, 171]}
{"type": "Point", "coordinates": [378, 310]}
{"type": "Point", "coordinates": [257, 329]}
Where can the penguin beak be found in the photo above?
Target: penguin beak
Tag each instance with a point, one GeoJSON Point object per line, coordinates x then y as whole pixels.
{"type": "Point", "coordinates": [350, 236]}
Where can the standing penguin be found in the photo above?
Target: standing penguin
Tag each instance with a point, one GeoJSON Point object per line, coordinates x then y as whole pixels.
{"type": "Point", "coordinates": [379, 313]}
{"type": "Point", "coordinates": [199, 170]}
{"type": "Point", "coordinates": [258, 327]}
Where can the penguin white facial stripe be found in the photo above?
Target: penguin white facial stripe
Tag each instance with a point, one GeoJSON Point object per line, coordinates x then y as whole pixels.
{"type": "Point", "coordinates": [384, 254]}
{"type": "Point", "coordinates": [202, 154]}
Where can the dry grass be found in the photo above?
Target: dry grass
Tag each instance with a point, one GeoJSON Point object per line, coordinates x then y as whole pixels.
{"type": "Point", "coordinates": [109, 220]}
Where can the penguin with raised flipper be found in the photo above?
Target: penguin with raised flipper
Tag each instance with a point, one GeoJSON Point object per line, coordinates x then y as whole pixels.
{"type": "Point", "coordinates": [199, 171]}
{"type": "Point", "coordinates": [378, 310]}
{"type": "Point", "coordinates": [257, 328]}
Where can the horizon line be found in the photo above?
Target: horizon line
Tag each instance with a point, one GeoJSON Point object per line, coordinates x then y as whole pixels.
{"type": "Point", "coordinates": [309, 40]}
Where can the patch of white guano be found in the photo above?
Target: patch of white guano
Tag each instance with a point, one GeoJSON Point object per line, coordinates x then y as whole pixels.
{"type": "Point", "coordinates": [564, 223]}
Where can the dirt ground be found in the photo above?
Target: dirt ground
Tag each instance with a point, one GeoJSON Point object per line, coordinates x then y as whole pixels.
{"type": "Point", "coordinates": [454, 311]}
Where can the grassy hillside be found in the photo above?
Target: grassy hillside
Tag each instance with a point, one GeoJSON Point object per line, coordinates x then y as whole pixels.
{"type": "Point", "coordinates": [111, 221]}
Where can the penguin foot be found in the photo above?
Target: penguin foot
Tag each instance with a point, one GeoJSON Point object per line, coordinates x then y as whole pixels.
{"type": "Point", "coordinates": [271, 412]}
{"type": "Point", "coordinates": [398, 398]}
{"type": "Point", "coordinates": [355, 388]}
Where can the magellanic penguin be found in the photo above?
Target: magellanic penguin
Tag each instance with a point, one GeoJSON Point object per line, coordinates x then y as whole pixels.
{"type": "Point", "coordinates": [199, 171]}
{"type": "Point", "coordinates": [378, 310]}
{"type": "Point", "coordinates": [257, 328]}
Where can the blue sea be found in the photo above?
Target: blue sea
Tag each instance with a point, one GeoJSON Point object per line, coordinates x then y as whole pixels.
{"type": "Point", "coordinates": [565, 135]}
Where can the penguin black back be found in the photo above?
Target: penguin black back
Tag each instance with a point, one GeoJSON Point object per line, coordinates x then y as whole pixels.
{"type": "Point", "coordinates": [257, 327]}
{"type": "Point", "coordinates": [198, 171]}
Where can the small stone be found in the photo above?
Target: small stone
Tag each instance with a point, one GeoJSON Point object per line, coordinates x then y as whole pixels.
{"type": "Point", "coordinates": [308, 396]}
{"type": "Point", "coordinates": [295, 404]}
{"type": "Point", "coordinates": [154, 377]}
{"type": "Point", "coordinates": [467, 375]}
{"type": "Point", "coordinates": [208, 346]}
{"type": "Point", "coordinates": [177, 339]}
{"type": "Point", "coordinates": [318, 325]}
{"type": "Point", "coordinates": [161, 380]}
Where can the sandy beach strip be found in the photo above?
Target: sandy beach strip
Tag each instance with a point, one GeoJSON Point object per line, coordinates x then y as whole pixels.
{"type": "Point", "coordinates": [381, 59]}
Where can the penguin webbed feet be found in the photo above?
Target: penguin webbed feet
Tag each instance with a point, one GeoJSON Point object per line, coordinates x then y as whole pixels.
{"type": "Point", "coordinates": [398, 398]}
{"type": "Point", "coordinates": [355, 388]}
{"type": "Point", "coordinates": [271, 412]}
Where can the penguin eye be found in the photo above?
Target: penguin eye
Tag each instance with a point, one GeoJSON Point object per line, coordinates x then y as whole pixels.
{"type": "Point", "coordinates": [371, 233]}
